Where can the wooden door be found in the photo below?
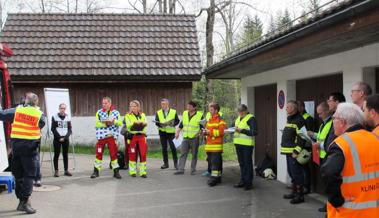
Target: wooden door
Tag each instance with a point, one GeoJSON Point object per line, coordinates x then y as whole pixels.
{"type": "Point", "coordinates": [265, 113]}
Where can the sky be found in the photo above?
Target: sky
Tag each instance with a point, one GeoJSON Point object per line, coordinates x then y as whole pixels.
{"type": "Point", "coordinates": [263, 8]}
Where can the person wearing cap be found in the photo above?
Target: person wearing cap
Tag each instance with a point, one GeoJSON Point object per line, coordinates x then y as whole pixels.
{"type": "Point", "coordinates": [244, 141]}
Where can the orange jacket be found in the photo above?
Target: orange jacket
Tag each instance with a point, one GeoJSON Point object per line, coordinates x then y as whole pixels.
{"type": "Point", "coordinates": [216, 126]}
{"type": "Point", "coordinates": [360, 186]}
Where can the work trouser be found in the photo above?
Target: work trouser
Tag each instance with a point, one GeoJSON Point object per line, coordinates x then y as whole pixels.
{"type": "Point", "coordinates": [188, 144]}
{"type": "Point", "coordinates": [209, 161]}
{"type": "Point", "coordinates": [126, 152]}
{"type": "Point", "coordinates": [38, 170]}
{"type": "Point", "coordinates": [166, 138]}
{"type": "Point", "coordinates": [295, 171]}
{"type": "Point", "coordinates": [215, 161]}
{"type": "Point", "coordinates": [112, 146]}
{"type": "Point", "coordinates": [57, 151]}
{"type": "Point", "coordinates": [245, 160]}
{"type": "Point", "coordinates": [137, 147]}
{"type": "Point", "coordinates": [24, 169]}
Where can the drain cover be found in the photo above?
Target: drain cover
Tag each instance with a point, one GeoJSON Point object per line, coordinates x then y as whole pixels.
{"type": "Point", "coordinates": [46, 188]}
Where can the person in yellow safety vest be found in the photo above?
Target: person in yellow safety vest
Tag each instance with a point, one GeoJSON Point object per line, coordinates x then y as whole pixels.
{"type": "Point", "coordinates": [291, 146]}
{"type": "Point", "coordinates": [27, 122]}
{"type": "Point", "coordinates": [191, 128]}
{"type": "Point", "coordinates": [322, 143]}
{"type": "Point", "coordinates": [166, 119]}
{"type": "Point", "coordinates": [326, 125]}
{"type": "Point", "coordinates": [371, 112]}
{"type": "Point", "coordinates": [207, 173]}
{"type": "Point", "coordinates": [136, 125]}
{"type": "Point", "coordinates": [108, 121]}
{"type": "Point", "coordinates": [244, 140]}
{"type": "Point", "coordinates": [351, 166]}
{"type": "Point", "coordinates": [214, 132]}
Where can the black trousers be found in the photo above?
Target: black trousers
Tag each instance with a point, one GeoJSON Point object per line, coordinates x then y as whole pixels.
{"type": "Point", "coordinates": [295, 171]}
{"type": "Point", "coordinates": [245, 160]}
{"type": "Point", "coordinates": [166, 139]}
{"type": "Point", "coordinates": [214, 163]}
{"type": "Point", "coordinates": [57, 150]}
{"type": "Point", "coordinates": [24, 169]}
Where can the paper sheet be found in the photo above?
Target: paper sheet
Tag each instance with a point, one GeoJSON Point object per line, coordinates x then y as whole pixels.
{"type": "Point", "coordinates": [304, 135]}
{"type": "Point", "coordinates": [230, 130]}
{"type": "Point", "coordinates": [178, 141]}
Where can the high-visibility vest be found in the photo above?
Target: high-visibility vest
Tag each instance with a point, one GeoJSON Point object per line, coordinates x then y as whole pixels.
{"type": "Point", "coordinates": [360, 176]}
{"type": "Point", "coordinates": [322, 134]}
{"type": "Point", "coordinates": [214, 140]}
{"type": "Point", "coordinates": [208, 115]}
{"type": "Point", "coordinates": [130, 119]}
{"type": "Point", "coordinates": [170, 117]}
{"type": "Point", "coordinates": [240, 138]}
{"type": "Point", "coordinates": [191, 127]}
{"type": "Point", "coordinates": [25, 123]}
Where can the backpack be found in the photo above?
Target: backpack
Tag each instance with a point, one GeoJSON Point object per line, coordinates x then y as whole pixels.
{"type": "Point", "coordinates": [266, 163]}
{"type": "Point", "coordinates": [120, 160]}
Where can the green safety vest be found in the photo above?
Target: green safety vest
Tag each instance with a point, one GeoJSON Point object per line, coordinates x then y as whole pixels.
{"type": "Point", "coordinates": [191, 127]}
{"type": "Point", "coordinates": [208, 115]}
{"type": "Point", "coordinates": [240, 138]}
{"type": "Point", "coordinates": [321, 136]}
{"type": "Point", "coordinates": [130, 119]}
{"type": "Point", "coordinates": [162, 119]}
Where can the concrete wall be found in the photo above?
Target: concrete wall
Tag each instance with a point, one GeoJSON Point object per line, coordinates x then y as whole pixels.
{"type": "Point", "coordinates": [355, 65]}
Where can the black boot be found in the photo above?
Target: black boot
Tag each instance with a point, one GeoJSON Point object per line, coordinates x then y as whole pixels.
{"type": "Point", "coordinates": [164, 166]}
{"type": "Point", "coordinates": [292, 194]}
{"type": "Point", "coordinates": [299, 196]}
{"type": "Point", "coordinates": [213, 181]}
{"type": "Point", "coordinates": [95, 173]}
{"type": "Point", "coordinates": [27, 208]}
{"type": "Point", "coordinates": [116, 174]}
{"type": "Point", "coordinates": [19, 207]}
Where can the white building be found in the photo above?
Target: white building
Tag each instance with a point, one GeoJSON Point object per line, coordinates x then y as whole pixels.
{"type": "Point", "coordinates": [307, 62]}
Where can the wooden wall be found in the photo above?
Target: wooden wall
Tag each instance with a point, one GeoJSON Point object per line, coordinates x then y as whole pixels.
{"type": "Point", "coordinates": [86, 97]}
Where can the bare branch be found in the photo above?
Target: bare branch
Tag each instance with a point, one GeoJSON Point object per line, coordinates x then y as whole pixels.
{"type": "Point", "coordinates": [133, 5]}
{"type": "Point", "coordinates": [200, 12]}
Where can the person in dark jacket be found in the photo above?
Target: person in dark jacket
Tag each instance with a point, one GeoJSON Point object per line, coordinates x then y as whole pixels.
{"type": "Point", "coordinates": [348, 118]}
{"type": "Point", "coordinates": [61, 128]}
{"type": "Point", "coordinates": [166, 119]}
{"type": "Point", "coordinates": [244, 140]}
{"type": "Point", "coordinates": [291, 146]}
{"type": "Point", "coordinates": [27, 122]}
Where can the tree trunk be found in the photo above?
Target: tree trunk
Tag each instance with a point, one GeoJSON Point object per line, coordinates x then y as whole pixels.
{"type": "Point", "coordinates": [172, 5]}
{"type": "Point", "coordinates": [76, 6]}
{"type": "Point", "coordinates": [165, 6]}
{"type": "Point", "coordinates": [43, 6]}
{"type": "Point", "coordinates": [144, 5]}
{"type": "Point", "coordinates": [209, 33]}
{"type": "Point", "coordinates": [160, 6]}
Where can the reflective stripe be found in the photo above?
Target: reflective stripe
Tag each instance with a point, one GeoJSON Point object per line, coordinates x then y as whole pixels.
{"type": "Point", "coordinates": [240, 138]}
{"type": "Point", "coordinates": [114, 164]}
{"type": "Point", "coordinates": [361, 205]}
{"type": "Point", "coordinates": [306, 116]}
{"type": "Point", "coordinates": [25, 127]}
{"type": "Point", "coordinates": [291, 125]}
{"type": "Point", "coordinates": [132, 167]}
{"type": "Point", "coordinates": [98, 164]}
{"type": "Point", "coordinates": [356, 160]}
{"type": "Point", "coordinates": [142, 169]}
{"type": "Point", "coordinates": [362, 177]}
{"type": "Point", "coordinates": [215, 173]}
{"type": "Point", "coordinates": [243, 137]}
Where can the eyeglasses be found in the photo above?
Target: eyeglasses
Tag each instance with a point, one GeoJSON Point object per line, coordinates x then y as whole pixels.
{"type": "Point", "coordinates": [336, 118]}
{"type": "Point", "coordinates": [355, 90]}
{"type": "Point", "coordinates": [62, 108]}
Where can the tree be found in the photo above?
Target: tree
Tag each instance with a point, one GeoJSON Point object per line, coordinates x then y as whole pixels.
{"type": "Point", "coordinates": [284, 19]}
{"type": "Point", "coordinates": [252, 30]}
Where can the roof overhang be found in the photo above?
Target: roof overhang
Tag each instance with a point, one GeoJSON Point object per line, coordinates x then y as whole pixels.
{"type": "Point", "coordinates": [352, 27]}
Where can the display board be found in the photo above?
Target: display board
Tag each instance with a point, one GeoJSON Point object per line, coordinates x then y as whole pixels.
{"type": "Point", "coordinates": [53, 98]}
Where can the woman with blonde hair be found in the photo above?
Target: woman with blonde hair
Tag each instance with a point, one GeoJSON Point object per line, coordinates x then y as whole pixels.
{"type": "Point", "coordinates": [135, 122]}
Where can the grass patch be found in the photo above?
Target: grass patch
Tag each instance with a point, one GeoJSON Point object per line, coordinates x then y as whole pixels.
{"type": "Point", "coordinates": [229, 152]}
